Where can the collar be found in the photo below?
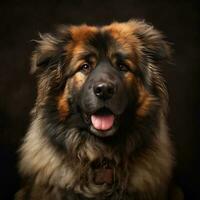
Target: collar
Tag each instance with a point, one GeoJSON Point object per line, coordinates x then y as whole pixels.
{"type": "Point", "coordinates": [104, 171]}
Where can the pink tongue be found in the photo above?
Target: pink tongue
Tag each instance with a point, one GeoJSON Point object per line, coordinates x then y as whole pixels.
{"type": "Point", "coordinates": [102, 122]}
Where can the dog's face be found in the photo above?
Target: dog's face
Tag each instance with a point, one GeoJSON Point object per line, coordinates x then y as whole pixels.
{"type": "Point", "coordinates": [104, 96]}
{"type": "Point", "coordinates": [106, 72]}
{"type": "Point", "coordinates": [100, 79]}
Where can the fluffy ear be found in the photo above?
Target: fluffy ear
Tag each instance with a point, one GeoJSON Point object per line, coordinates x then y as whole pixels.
{"type": "Point", "coordinates": [46, 53]}
{"type": "Point", "coordinates": [154, 45]}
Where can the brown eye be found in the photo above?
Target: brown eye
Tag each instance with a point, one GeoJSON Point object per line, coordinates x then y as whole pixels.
{"type": "Point", "coordinates": [123, 68]}
{"type": "Point", "coordinates": [85, 67]}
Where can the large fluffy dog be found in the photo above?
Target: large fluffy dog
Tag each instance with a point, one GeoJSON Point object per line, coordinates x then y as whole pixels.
{"type": "Point", "coordinates": [98, 127]}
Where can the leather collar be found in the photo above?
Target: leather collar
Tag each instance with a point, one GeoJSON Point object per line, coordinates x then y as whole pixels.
{"type": "Point", "coordinates": [104, 171]}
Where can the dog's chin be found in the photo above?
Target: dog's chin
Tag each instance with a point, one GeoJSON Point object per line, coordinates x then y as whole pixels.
{"type": "Point", "coordinates": [102, 123]}
{"type": "Point", "coordinates": [104, 133]}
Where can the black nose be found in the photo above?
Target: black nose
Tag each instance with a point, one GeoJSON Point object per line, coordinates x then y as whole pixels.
{"type": "Point", "coordinates": [104, 90]}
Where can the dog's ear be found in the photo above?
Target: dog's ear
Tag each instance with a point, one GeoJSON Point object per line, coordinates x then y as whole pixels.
{"type": "Point", "coordinates": [153, 42]}
{"type": "Point", "coordinates": [47, 54]}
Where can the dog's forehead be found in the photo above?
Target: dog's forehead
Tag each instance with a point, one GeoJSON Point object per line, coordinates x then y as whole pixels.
{"type": "Point", "coordinates": [82, 33]}
{"type": "Point", "coordinates": [110, 38]}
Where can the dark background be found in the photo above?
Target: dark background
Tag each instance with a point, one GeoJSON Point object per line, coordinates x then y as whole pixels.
{"type": "Point", "coordinates": [22, 20]}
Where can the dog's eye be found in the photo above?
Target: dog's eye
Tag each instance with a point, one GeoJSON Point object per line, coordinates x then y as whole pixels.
{"type": "Point", "coordinates": [85, 67]}
{"type": "Point", "coordinates": [123, 67]}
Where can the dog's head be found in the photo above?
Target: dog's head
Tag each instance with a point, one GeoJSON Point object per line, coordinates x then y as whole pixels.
{"type": "Point", "coordinates": [100, 79]}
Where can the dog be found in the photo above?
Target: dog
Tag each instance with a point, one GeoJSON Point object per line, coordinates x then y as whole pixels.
{"type": "Point", "coordinates": [99, 127]}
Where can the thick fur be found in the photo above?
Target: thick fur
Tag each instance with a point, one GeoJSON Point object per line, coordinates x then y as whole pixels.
{"type": "Point", "coordinates": [58, 151]}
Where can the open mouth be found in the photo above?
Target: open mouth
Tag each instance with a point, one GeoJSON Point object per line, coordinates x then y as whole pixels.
{"type": "Point", "coordinates": [103, 119]}
{"type": "Point", "coordinates": [102, 122]}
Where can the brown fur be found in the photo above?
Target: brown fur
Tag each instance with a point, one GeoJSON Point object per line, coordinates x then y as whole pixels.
{"type": "Point", "coordinates": [63, 106]}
